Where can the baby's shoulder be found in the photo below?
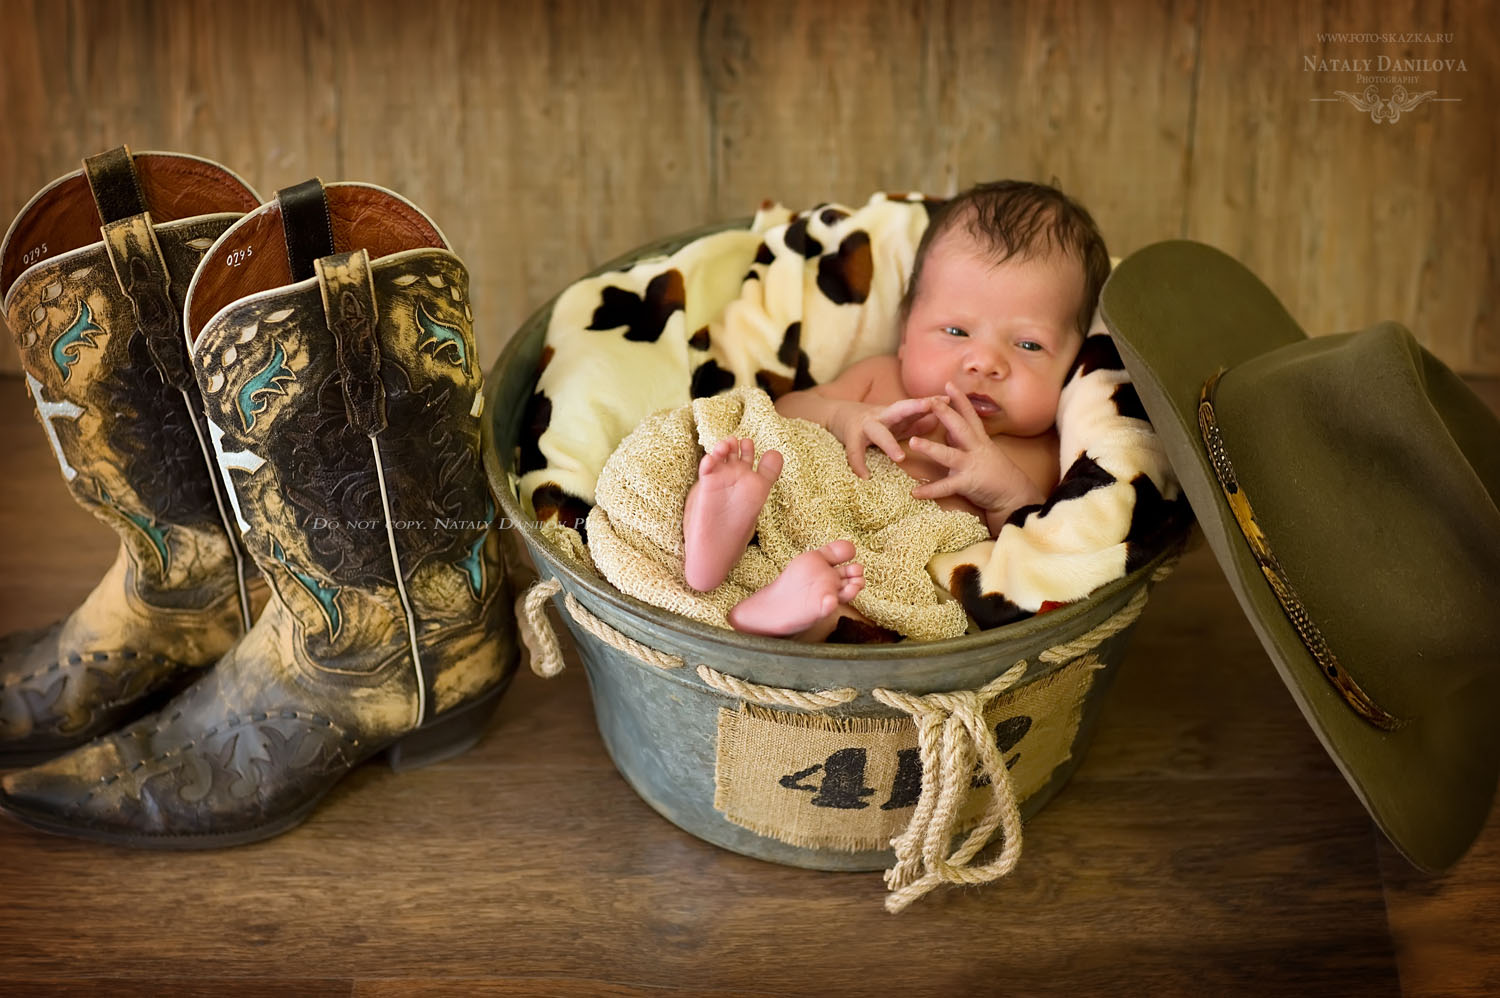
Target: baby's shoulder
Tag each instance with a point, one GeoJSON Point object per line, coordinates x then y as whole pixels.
{"type": "Point", "coordinates": [873, 378]}
{"type": "Point", "coordinates": [880, 362]}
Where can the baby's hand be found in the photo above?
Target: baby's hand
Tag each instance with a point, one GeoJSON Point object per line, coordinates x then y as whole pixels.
{"type": "Point", "coordinates": [978, 469]}
{"type": "Point", "coordinates": [860, 425]}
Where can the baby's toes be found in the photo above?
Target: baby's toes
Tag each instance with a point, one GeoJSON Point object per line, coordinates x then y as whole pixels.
{"type": "Point", "coordinates": [770, 466]}
{"type": "Point", "coordinates": [714, 458]}
{"type": "Point", "coordinates": [835, 552]}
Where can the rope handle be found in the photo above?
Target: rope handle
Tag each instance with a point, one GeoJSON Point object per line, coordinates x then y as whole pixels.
{"type": "Point", "coordinates": [951, 737]}
{"type": "Point", "coordinates": [778, 696]}
{"type": "Point", "coordinates": [541, 640]}
{"type": "Point", "coordinates": [547, 659]}
{"type": "Point", "coordinates": [1118, 622]}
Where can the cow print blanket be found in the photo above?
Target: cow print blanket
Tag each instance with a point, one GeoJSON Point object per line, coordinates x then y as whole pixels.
{"type": "Point", "coordinates": [787, 303]}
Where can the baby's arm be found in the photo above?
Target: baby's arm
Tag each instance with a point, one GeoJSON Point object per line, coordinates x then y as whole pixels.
{"type": "Point", "coordinates": [840, 407]}
{"type": "Point", "coordinates": [978, 469]}
{"type": "Point", "coordinates": [821, 404]}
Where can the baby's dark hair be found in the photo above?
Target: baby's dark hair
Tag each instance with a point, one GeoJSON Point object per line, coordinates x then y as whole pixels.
{"type": "Point", "coordinates": [1019, 218]}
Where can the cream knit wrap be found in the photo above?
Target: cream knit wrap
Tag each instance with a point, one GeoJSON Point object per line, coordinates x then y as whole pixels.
{"type": "Point", "coordinates": [635, 528]}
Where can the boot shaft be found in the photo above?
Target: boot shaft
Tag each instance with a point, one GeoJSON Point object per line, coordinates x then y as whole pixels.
{"type": "Point", "coordinates": [341, 384]}
{"type": "Point", "coordinates": [93, 273]}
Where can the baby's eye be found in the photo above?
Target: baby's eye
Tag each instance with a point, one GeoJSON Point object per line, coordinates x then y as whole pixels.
{"type": "Point", "coordinates": [954, 331]}
{"type": "Point", "coordinates": [1031, 345]}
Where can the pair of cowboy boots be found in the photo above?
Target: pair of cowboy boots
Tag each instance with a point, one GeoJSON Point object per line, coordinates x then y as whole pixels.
{"type": "Point", "coordinates": [292, 385]}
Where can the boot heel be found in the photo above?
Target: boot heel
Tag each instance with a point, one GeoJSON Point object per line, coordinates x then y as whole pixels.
{"type": "Point", "coordinates": [452, 734]}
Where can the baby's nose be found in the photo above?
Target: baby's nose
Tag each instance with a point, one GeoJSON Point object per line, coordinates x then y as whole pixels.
{"type": "Point", "coordinates": [986, 362]}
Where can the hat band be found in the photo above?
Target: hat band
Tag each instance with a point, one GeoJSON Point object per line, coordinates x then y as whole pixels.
{"type": "Point", "coordinates": [1286, 595]}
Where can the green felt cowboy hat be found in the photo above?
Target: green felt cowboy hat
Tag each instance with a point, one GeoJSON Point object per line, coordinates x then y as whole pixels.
{"type": "Point", "coordinates": [1348, 485]}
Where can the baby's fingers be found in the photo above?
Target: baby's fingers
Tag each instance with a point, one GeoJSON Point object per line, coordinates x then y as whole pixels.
{"type": "Point", "coordinates": [965, 408]}
{"type": "Point", "coordinates": [854, 450]}
{"type": "Point", "coordinates": [905, 409]}
{"type": "Point", "coordinates": [921, 422]}
{"type": "Point", "coordinates": [959, 430]}
{"type": "Point", "coordinates": [948, 457]}
{"type": "Point", "coordinates": [939, 489]}
{"type": "Point", "coordinates": [881, 437]}
{"type": "Point", "coordinates": [923, 426]}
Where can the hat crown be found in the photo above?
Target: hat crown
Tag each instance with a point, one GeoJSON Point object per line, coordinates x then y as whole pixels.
{"type": "Point", "coordinates": [1360, 455]}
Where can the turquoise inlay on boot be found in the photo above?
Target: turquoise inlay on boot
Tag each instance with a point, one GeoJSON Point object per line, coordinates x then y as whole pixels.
{"type": "Point", "coordinates": [327, 596]}
{"type": "Point", "coordinates": [148, 526]}
{"type": "Point", "coordinates": [438, 336]}
{"type": "Point", "coordinates": [271, 380]}
{"type": "Point", "coordinates": [473, 563]}
{"type": "Point", "coordinates": [69, 346]}
{"type": "Point", "coordinates": [156, 534]}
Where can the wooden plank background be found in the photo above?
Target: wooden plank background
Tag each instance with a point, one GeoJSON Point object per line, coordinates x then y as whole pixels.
{"type": "Point", "coordinates": [545, 137]}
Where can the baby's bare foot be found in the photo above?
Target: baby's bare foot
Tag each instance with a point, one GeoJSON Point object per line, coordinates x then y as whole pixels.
{"type": "Point", "coordinates": [719, 517]}
{"type": "Point", "coordinates": [812, 586]}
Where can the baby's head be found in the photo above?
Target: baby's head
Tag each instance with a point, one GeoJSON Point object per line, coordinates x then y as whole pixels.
{"type": "Point", "coordinates": [1002, 292]}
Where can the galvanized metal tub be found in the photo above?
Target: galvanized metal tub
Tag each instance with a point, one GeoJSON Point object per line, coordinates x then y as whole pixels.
{"type": "Point", "coordinates": [664, 688]}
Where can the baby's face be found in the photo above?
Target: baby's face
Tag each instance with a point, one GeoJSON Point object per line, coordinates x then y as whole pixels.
{"type": "Point", "coordinates": [1005, 334]}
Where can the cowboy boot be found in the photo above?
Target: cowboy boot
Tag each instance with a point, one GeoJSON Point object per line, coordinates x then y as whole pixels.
{"type": "Point", "coordinates": [98, 324]}
{"type": "Point", "coordinates": [340, 379]}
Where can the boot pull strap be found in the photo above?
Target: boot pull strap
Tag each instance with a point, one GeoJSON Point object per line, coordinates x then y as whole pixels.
{"type": "Point", "coordinates": [348, 299]}
{"type": "Point", "coordinates": [307, 225]}
{"type": "Point", "coordinates": [140, 269]}
{"type": "Point", "coordinates": [114, 184]}
{"type": "Point", "coordinates": [142, 274]}
{"type": "Point", "coordinates": [350, 311]}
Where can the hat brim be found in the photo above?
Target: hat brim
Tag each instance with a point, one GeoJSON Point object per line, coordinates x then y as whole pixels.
{"type": "Point", "coordinates": [1179, 312]}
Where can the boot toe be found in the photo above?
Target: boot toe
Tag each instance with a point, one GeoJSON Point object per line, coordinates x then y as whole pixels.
{"type": "Point", "coordinates": [183, 780]}
{"type": "Point", "coordinates": [54, 697]}
{"type": "Point", "coordinates": [64, 794]}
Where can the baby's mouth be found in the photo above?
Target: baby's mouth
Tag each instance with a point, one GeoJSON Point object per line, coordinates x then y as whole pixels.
{"type": "Point", "coordinates": [983, 405]}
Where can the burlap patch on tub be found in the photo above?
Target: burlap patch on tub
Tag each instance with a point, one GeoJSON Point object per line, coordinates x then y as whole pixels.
{"type": "Point", "coordinates": [850, 783]}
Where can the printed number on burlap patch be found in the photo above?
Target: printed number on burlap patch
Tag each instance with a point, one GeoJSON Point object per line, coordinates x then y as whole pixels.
{"type": "Point", "coordinates": [851, 783]}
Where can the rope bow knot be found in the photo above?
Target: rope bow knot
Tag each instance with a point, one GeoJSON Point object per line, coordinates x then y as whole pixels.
{"type": "Point", "coordinates": [952, 737]}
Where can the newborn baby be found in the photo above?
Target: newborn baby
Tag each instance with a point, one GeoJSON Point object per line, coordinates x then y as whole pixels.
{"type": "Point", "coordinates": [1003, 287]}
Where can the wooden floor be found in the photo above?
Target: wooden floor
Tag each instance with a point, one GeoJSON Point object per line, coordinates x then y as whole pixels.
{"type": "Point", "coordinates": [1206, 846]}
